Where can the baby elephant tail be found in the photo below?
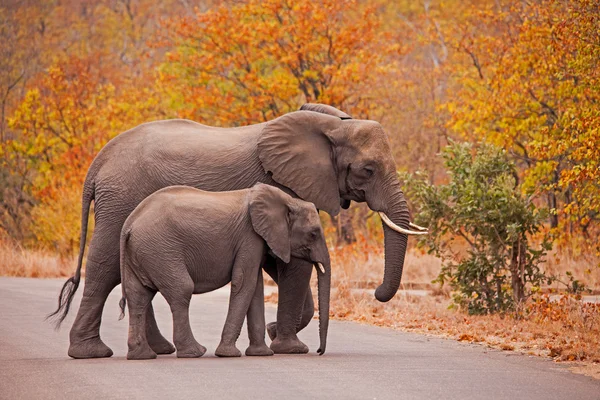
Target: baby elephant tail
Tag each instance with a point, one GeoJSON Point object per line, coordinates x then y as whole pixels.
{"type": "Point", "coordinates": [123, 243]}
{"type": "Point", "coordinates": [122, 304]}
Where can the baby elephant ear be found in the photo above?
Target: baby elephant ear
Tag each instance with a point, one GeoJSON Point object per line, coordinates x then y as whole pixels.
{"type": "Point", "coordinates": [269, 215]}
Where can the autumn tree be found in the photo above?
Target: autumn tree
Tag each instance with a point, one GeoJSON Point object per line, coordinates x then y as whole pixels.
{"type": "Point", "coordinates": [18, 61]}
{"type": "Point", "coordinates": [414, 89]}
{"type": "Point", "coordinates": [246, 62]}
{"type": "Point", "coordinates": [533, 88]}
{"type": "Point", "coordinates": [76, 77]}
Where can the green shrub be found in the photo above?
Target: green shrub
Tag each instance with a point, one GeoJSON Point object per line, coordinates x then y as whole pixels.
{"type": "Point", "coordinates": [481, 226]}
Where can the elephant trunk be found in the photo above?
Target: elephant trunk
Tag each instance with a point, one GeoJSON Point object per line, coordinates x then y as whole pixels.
{"type": "Point", "coordinates": [395, 243]}
{"type": "Point", "coordinates": [324, 287]}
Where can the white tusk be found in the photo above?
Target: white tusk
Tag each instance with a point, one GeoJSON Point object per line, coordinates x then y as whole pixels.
{"type": "Point", "coordinates": [321, 267]}
{"type": "Point", "coordinates": [398, 229]}
{"type": "Point", "coordinates": [417, 227]}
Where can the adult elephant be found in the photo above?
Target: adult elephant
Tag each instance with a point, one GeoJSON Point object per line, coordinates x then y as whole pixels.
{"type": "Point", "coordinates": [319, 154]}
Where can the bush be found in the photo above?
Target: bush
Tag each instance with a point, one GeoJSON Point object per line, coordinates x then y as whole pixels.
{"type": "Point", "coordinates": [480, 225]}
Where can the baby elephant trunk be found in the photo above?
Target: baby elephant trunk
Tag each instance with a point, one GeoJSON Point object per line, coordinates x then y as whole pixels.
{"type": "Point", "coordinates": [324, 286]}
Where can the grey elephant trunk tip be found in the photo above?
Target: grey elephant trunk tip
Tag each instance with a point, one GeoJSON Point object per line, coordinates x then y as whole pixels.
{"type": "Point", "coordinates": [382, 294]}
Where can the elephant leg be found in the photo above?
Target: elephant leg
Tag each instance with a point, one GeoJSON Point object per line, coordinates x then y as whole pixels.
{"type": "Point", "coordinates": [308, 312]}
{"type": "Point", "coordinates": [101, 277]}
{"type": "Point", "coordinates": [85, 340]}
{"type": "Point", "coordinates": [179, 296]}
{"type": "Point", "coordinates": [308, 309]}
{"type": "Point", "coordinates": [256, 322]}
{"type": "Point", "coordinates": [294, 281]}
{"type": "Point", "coordinates": [243, 288]}
{"type": "Point", "coordinates": [157, 341]}
{"type": "Point", "coordinates": [270, 267]}
{"type": "Point", "coordinates": [139, 299]}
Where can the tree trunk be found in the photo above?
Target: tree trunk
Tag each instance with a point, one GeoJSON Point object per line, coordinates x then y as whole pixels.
{"type": "Point", "coordinates": [344, 230]}
{"type": "Point", "coordinates": [552, 206]}
{"type": "Point", "coordinates": [517, 269]}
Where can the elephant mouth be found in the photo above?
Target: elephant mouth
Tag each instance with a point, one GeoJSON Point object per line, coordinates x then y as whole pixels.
{"type": "Point", "coordinates": [349, 193]}
{"type": "Point", "coordinates": [357, 196]}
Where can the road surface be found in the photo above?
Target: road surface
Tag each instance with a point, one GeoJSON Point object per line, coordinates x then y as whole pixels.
{"type": "Point", "coordinates": [362, 362]}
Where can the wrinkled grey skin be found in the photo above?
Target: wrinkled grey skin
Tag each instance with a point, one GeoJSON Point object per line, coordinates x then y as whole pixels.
{"type": "Point", "coordinates": [321, 156]}
{"type": "Point", "coordinates": [182, 241]}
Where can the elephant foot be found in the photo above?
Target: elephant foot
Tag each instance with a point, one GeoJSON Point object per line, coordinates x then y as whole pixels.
{"type": "Point", "coordinates": [290, 345]}
{"type": "Point", "coordinates": [90, 348]}
{"type": "Point", "coordinates": [141, 352]}
{"type": "Point", "coordinates": [272, 330]}
{"type": "Point", "coordinates": [195, 351]}
{"type": "Point", "coordinates": [259, 350]}
{"type": "Point", "coordinates": [161, 346]}
{"type": "Point", "coordinates": [225, 350]}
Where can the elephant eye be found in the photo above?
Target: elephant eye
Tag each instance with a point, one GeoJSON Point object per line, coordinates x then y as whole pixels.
{"type": "Point", "coordinates": [368, 171]}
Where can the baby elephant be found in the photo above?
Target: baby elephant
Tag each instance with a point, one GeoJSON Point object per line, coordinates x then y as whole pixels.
{"type": "Point", "coordinates": [182, 241]}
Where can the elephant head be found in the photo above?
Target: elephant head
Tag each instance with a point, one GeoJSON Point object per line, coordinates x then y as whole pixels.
{"type": "Point", "coordinates": [326, 157]}
{"type": "Point", "coordinates": [292, 228]}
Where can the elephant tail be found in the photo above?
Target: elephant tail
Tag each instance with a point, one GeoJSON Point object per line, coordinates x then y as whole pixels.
{"type": "Point", "coordinates": [122, 304]}
{"type": "Point", "coordinates": [123, 242]}
{"type": "Point", "coordinates": [70, 287]}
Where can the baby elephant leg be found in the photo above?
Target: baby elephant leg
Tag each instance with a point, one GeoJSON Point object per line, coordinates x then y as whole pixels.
{"type": "Point", "coordinates": [158, 343]}
{"type": "Point", "coordinates": [256, 322]}
{"type": "Point", "coordinates": [179, 295]}
{"type": "Point", "coordinates": [243, 287]}
{"type": "Point", "coordinates": [139, 298]}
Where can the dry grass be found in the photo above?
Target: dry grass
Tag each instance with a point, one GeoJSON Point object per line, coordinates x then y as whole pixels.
{"type": "Point", "coordinates": [568, 330]}
{"type": "Point", "coordinates": [16, 261]}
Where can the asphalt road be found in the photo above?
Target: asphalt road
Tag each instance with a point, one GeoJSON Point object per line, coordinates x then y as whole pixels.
{"type": "Point", "coordinates": [362, 362]}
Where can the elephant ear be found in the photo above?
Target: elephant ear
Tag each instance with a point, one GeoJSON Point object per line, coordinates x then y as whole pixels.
{"type": "Point", "coordinates": [269, 215]}
{"type": "Point", "coordinates": [297, 149]}
{"type": "Point", "coordinates": [325, 109]}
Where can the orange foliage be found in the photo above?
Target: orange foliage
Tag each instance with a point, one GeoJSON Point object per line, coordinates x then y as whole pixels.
{"type": "Point", "coordinates": [252, 61]}
{"type": "Point", "coordinates": [530, 82]}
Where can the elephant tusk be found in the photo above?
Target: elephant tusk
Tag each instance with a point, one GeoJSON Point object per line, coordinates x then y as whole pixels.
{"type": "Point", "coordinates": [417, 227]}
{"type": "Point", "coordinates": [398, 229]}
{"type": "Point", "coordinates": [321, 267]}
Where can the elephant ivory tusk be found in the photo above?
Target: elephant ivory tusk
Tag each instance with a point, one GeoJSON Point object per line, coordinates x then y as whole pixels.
{"type": "Point", "coordinates": [417, 227]}
{"type": "Point", "coordinates": [398, 229]}
{"type": "Point", "coordinates": [321, 267]}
